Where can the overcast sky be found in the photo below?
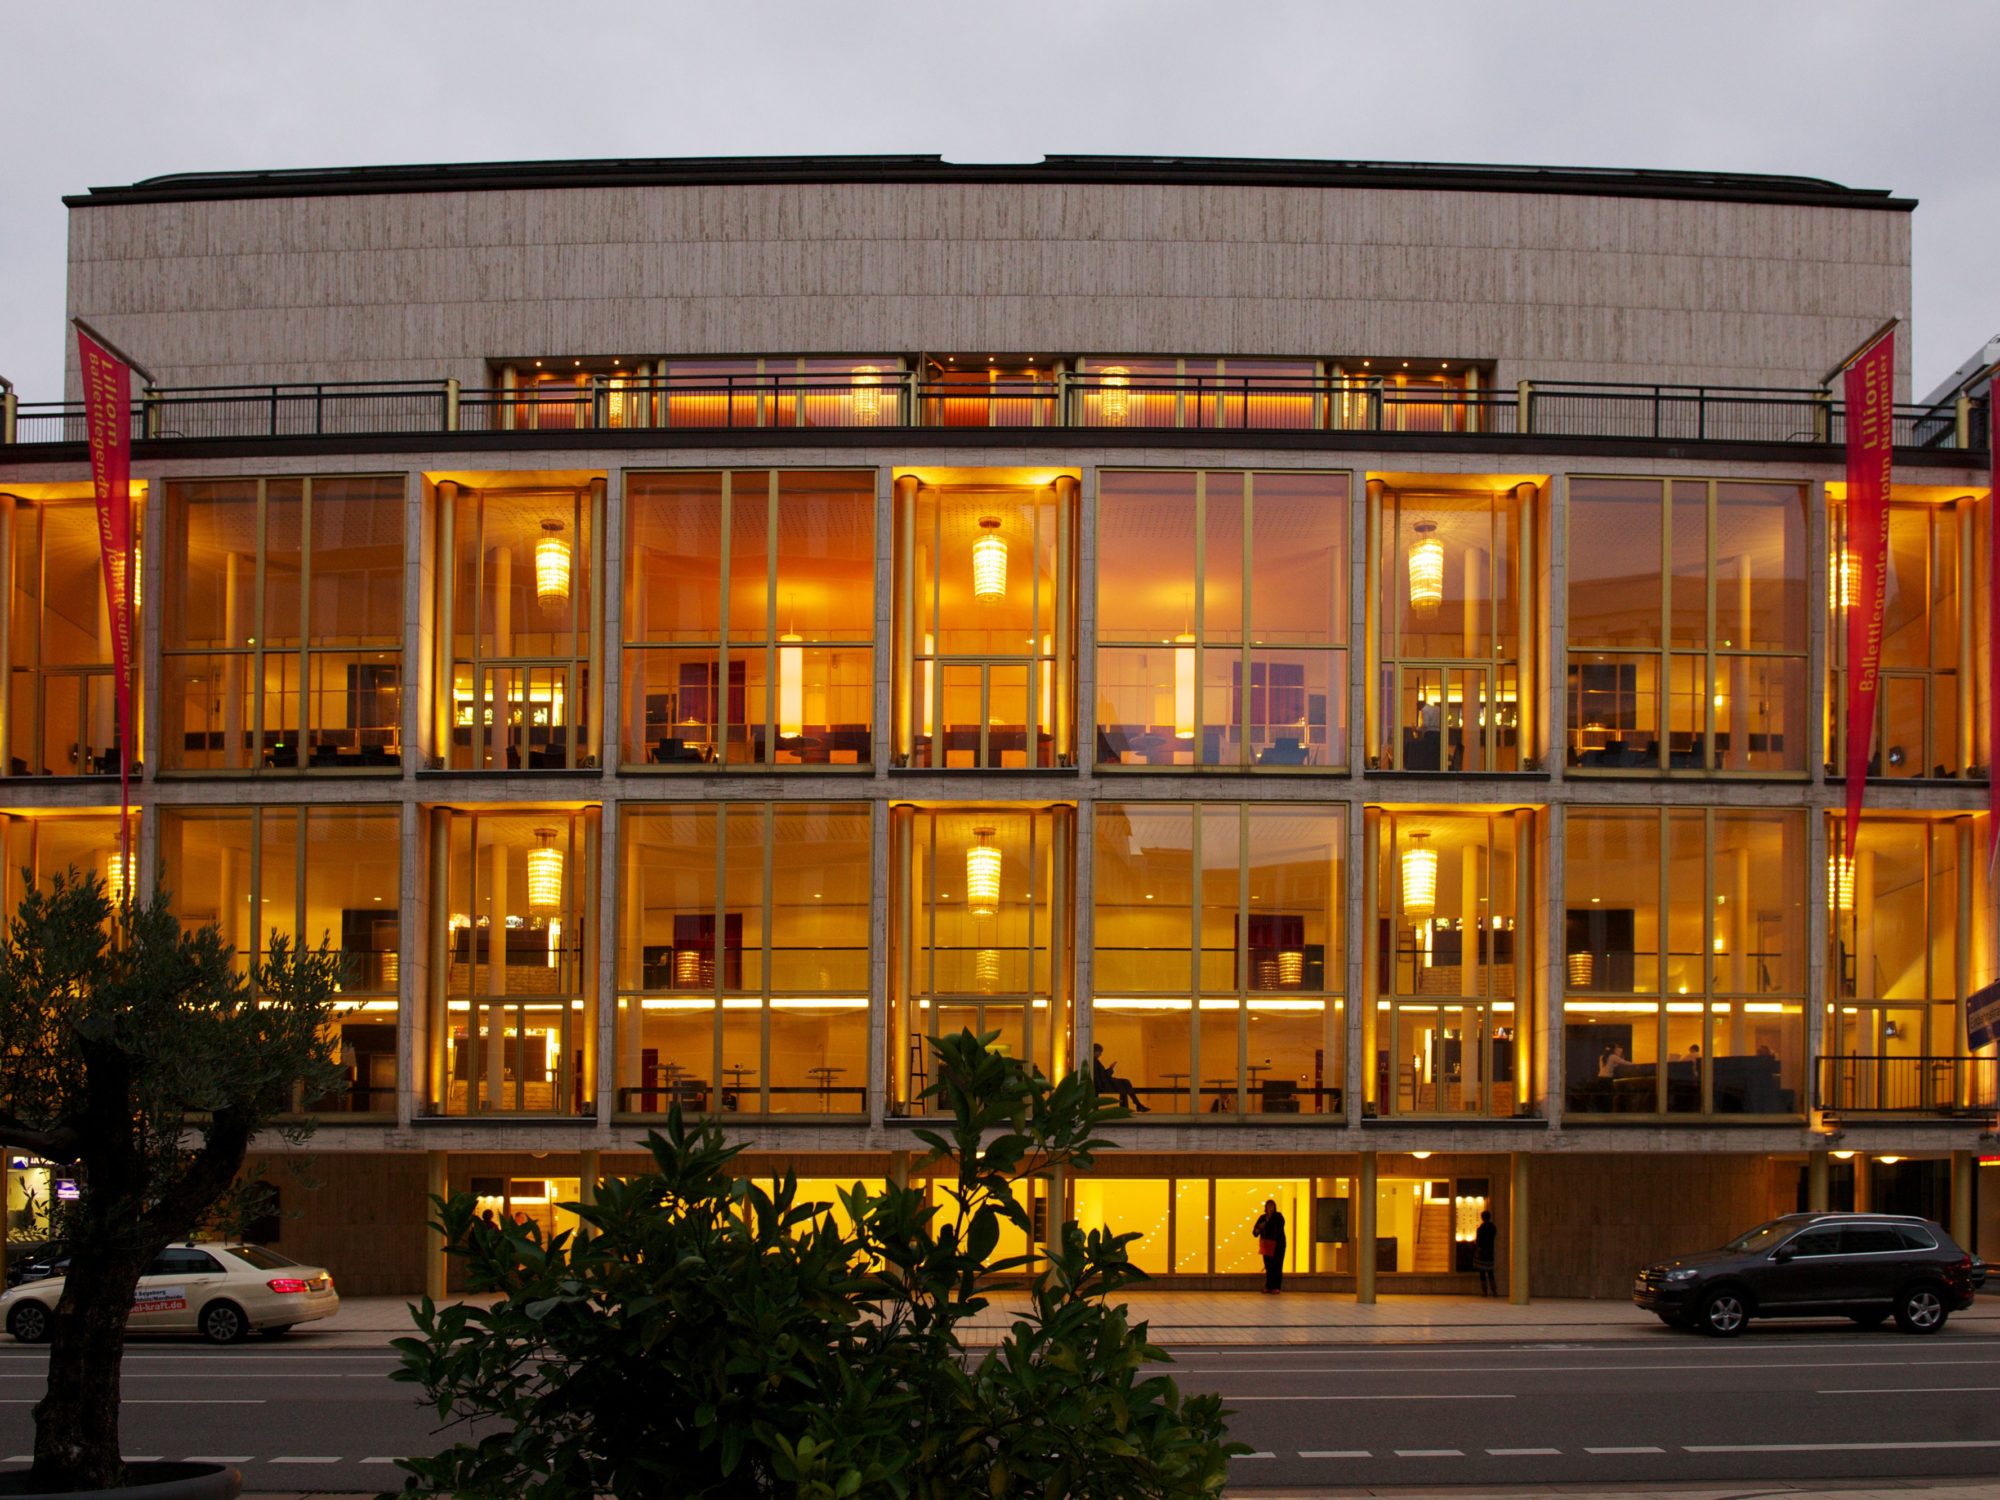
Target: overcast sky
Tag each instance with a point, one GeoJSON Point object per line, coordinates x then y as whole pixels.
{"type": "Point", "coordinates": [1868, 94]}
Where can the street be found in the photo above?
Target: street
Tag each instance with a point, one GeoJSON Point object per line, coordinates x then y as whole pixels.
{"type": "Point", "coordinates": [1811, 1402]}
{"type": "Point", "coordinates": [1793, 1402]}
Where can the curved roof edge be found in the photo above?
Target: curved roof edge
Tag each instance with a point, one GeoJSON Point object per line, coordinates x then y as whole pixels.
{"type": "Point", "coordinates": [1615, 182]}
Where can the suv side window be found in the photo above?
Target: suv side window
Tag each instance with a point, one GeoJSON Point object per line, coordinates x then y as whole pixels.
{"type": "Point", "coordinates": [1871, 1239]}
{"type": "Point", "coordinates": [1914, 1238]}
{"type": "Point", "coordinates": [1816, 1242]}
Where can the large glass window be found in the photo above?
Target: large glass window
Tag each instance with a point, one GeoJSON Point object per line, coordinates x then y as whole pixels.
{"type": "Point", "coordinates": [749, 618]}
{"type": "Point", "coordinates": [60, 715]}
{"type": "Point", "coordinates": [524, 631]}
{"type": "Point", "coordinates": [1221, 618]}
{"type": "Point", "coordinates": [986, 618]}
{"type": "Point", "coordinates": [513, 1021]}
{"type": "Point", "coordinates": [38, 847]}
{"type": "Point", "coordinates": [1900, 910]}
{"type": "Point", "coordinates": [1219, 968]}
{"type": "Point", "coordinates": [1684, 961]}
{"type": "Point", "coordinates": [1924, 715]}
{"type": "Point", "coordinates": [979, 936]}
{"type": "Point", "coordinates": [284, 625]}
{"type": "Point", "coordinates": [1687, 626]}
{"type": "Point", "coordinates": [743, 958]}
{"type": "Point", "coordinates": [1452, 573]}
{"type": "Point", "coordinates": [1152, 391]}
{"type": "Point", "coordinates": [313, 875]}
{"type": "Point", "coordinates": [1452, 963]}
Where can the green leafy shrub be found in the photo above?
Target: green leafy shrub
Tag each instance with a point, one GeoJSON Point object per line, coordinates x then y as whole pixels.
{"type": "Point", "coordinates": [704, 1337]}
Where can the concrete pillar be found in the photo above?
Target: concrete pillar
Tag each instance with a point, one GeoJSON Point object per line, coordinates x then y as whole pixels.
{"type": "Point", "coordinates": [1471, 979]}
{"type": "Point", "coordinates": [1364, 1232]}
{"type": "Point", "coordinates": [1862, 1186]}
{"type": "Point", "coordinates": [436, 1185]}
{"type": "Point", "coordinates": [1517, 1228]}
{"type": "Point", "coordinates": [1816, 1182]}
{"type": "Point", "coordinates": [1963, 1228]}
{"type": "Point", "coordinates": [1058, 1209]}
{"type": "Point", "coordinates": [495, 976]}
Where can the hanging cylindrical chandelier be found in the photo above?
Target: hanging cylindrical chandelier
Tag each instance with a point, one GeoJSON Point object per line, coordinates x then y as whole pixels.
{"type": "Point", "coordinates": [1115, 399]}
{"type": "Point", "coordinates": [687, 968]}
{"type": "Point", "coordinates": [1184, 686]}
{"type": "Point", "coordinates": [986, 970]}
{"type": "Point", "coordinates": [545, 872]}
{"type": "Point", "coordinates": [867, 392]}
{"type": "Point", "coordinates": [982, 874]}
{"type": "Point", "coordinates": [1582, 969]}
{"type": "Point", "coordinates": [989, 562]}
{"type": "Point", "coordinates": [1846, 578]}
{"type": "Point", "coordinates": [1426, 571]}
{"type": "Point", "coordinates": [791, 686]}
{"type": "Point", "coordinates": [1291, 968]}
{"type": "Point", "coordinates": [118, 883]}
{"type": "Point", "coordinates": [552, 565]}
{"type": "Point", "coordinates": [1420, 879]}
{"type": "Point", "coordinates": [1840, 880]}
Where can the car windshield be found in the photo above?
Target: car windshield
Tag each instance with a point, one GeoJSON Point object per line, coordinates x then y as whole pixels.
{"type": "Point", "coordinates": [1764, 1236]}
{"type": "Point", "coordinates": [262, 1259]}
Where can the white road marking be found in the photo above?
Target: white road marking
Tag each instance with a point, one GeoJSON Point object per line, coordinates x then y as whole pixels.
{"type": "Point", "coordinates": [1838, 1447]}
{"type": "Point", "coordinates": [295, 1460]}
{"type": "Point", "coordinates": [1475, 1396]}
{"type": "Point", "coordinates": [1523, 1452]}
{"type": "Point", "coordinates": [1904, 1390]}
{"type": "Point", "coordinates": [139, 1458]}
{"type": "Point", "coordinates": [1430, 1453]}
{"type": "Point", "coordinates": [1335, 1453]}
{"type": "Point", "coordinates": [377, 1460]}
{"type": "Point", "coordinates": [1256, 1455]}
{"type": "Point", "coordinates": [1641, 1449]}
{"type": "Point", "coordinates": [218, 1458]}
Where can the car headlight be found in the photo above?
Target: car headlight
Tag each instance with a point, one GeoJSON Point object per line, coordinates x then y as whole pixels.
{"type": "Point", "coordinates": [1684, 1273]}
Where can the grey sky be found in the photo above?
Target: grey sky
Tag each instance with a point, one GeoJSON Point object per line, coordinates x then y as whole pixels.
{"type": "Point", "coordinates": [1868, 94]}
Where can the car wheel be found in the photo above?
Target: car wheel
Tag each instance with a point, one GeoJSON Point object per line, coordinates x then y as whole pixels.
{"type": "Point", "coordinates": [30, 1322]}
{"type": "Point", "coordinates": [1869, 1319]}
{"type": "Point", "coordinates": [1921, 1309]}
{"type": "Point", "coordinates": [1724, 1312]}
{"type": "Point", "coordinates": [224, 1323]}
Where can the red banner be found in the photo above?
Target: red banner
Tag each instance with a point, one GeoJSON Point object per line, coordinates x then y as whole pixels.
{"type": "Point", "coordinates": [1870, 414]}
{"type": "Point", "coordinates": [107, 406]}
{"type": "Point", "coordinates": [1993, 631]}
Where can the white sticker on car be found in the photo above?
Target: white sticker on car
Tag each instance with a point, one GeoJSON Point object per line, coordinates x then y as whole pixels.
{"type": "Point", "coordinates": [152, 1299]}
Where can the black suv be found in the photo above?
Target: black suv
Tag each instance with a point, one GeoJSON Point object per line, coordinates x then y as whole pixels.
{"type": "Point", "coordinates": [1861, 1266]}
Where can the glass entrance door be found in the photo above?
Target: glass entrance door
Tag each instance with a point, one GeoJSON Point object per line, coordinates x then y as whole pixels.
{"type": "Point", "coordinates": [1450, 718]}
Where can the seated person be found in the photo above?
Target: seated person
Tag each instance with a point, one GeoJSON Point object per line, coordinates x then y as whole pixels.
{"type": "Point", "coordinates": [1105, 1081]}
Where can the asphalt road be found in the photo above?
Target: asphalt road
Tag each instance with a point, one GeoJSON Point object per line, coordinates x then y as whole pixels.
{"type": "Point", "coordinates": [1779, 1403]}
{"type": "Point", "coordinates": [1786, 1403]}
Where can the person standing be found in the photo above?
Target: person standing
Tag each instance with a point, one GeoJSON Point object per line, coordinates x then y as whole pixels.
{"type": "Point", "coordinates": [1270, 1232]}
{"type": "Point", "coordinates": [1485, 1241]}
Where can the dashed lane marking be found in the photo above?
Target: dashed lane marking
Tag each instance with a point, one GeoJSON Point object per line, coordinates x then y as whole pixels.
{"type": "Point", "coordinates": [1335, 1453]}
{"type": "Point", "coordinates": [1523, 1452]}
{"type": "Point", "coordinates": [218, 1458]}
{"type": "Point", "coordinates": [1886, 1447]}
{"type": "Point", "coordinates": [292, 1459]}
{"type": "Point", "coordinates": [1430, 1453]}
{"type": "Point", "coordinates": [1642, 1448]}
{"type": "Point", "coordinates": [1256, 1455]}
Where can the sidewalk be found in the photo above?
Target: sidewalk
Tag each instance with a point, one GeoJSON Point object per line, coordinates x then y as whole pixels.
{"type": "Point", "coordinates": [1194, 1319]}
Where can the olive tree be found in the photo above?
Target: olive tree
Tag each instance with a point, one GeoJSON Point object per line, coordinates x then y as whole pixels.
{"type": "Point", "coordinates": [703, 1336]}
{"type": "Point", "coordinates": [136, 1053]}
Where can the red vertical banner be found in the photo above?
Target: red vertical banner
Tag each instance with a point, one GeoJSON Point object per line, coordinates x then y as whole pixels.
{"type": "Point", "coordinates": [1993, 628]}
{"type": "Point", "coordinates": [1870, 414]}
{"type": "Point", "coordinates": [107, 408]}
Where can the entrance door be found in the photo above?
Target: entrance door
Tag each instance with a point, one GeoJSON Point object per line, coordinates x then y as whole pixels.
{"type": "Point", "coordinates": [1449, 718]}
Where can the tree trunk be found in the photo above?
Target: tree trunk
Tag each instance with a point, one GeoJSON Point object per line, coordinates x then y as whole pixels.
{"type": "Point", "coordinates": [76, 1421]}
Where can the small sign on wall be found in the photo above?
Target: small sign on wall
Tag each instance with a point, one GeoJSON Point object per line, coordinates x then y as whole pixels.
{"type": "Point", "coordinates": [1330, 1225]}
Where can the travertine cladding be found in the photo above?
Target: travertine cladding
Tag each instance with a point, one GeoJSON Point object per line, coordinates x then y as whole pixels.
{"type": "Point", "coordinates": [433, 284]}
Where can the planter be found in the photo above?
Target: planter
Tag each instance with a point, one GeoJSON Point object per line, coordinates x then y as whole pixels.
{"type": "Point", "coordinates": [148, 1482]}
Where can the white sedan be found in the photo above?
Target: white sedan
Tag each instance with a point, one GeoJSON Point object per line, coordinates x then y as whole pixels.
{"type": "Point", "coordinates": [221, 1291]}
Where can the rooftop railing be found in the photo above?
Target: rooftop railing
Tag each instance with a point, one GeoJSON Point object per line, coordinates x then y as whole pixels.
{"type": "Point", "coordinates": [1096, 400]}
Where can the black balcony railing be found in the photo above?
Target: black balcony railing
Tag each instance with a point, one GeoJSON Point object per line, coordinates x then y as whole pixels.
{"type": "Point", "coordinates": [1953, 1087]}
{"type": "Point", "coordinates": [1097, 400]}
